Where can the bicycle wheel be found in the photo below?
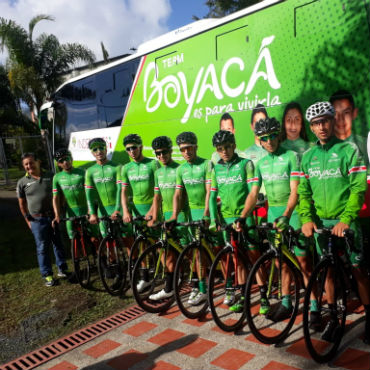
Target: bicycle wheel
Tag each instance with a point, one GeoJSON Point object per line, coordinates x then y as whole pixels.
{"type": "Point", "coordinates": [271, 327]}
{"type": "Point", "coordinates": [82, 259]}
{"type": "Point", "coordinates": [223, 271]}
{"type": "Point", "coordinates": [112, 266]}
{"type": "Point", "coordinates": [324, 350]}
{"type": "Point", "coordinates": [150, 269]}
{"type": "Point", "coordinates": [192, 260]}
{"type": "Point", "coordinates": [139, 246]}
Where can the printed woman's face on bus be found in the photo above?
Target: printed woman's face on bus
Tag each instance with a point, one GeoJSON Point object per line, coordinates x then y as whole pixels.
{"type": "Point", "coordinates": [293, 124]}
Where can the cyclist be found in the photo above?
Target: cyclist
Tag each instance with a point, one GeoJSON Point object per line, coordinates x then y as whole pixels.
{"type": "Point", "coordinates": [102, 185]}
{"type": "Point", "coordinates": [280, 173]}
{"type": "Point", "coordinates": [137, 178]}
{"type": "Point", "coordinates": [194, 176]}
{"type": "Point", "coordinates": [164, 189]}
{"type": "Point", "coordinates": [334, 178]}
{"type": "Point", "coordinates": [69, 184]}
{"type": "Point", "coordinates": [233, 181]}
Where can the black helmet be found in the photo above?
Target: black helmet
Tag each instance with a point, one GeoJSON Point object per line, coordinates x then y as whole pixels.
{"type": "Point", "coordinates": [161, 142]}
{"type": "Point", "coordinates": [266, 126]}
{"type": "Point", "coordinates": [186, 137]}
{"type": "Point", "coordinates": [222, 137]}
{"type": "Point", "coordinates": [62, 153]}
{"type": "Point", "coordinates": [97, 141]}
{"type": "Point", "coordinates": [132, 139]}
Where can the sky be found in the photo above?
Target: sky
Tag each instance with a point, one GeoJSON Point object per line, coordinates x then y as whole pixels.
{"type": "Point", "coordinates": [119, 24]}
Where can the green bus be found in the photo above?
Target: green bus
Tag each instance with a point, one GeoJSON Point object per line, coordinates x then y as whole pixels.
{"type": "Point", "coordinates": [272, 53]}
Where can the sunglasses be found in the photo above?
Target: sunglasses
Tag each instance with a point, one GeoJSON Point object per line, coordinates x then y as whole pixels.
{"type": "Point", "coordinates": [101, 148]}
{"type": "Point", "coordinates": [161, 152]}
{"type": "Point", "coordinates": [269, 137]}
{"type": "Point", "coordinates": [184, 148]}
{"type": "Point", "coordinates": [224, 147]}
{"type": "Point", "coordinates": [322, 121]}
{"type": "Point", "coordinates": [131, 148]}
{"type": "Point", "coordinates": [64, 159]}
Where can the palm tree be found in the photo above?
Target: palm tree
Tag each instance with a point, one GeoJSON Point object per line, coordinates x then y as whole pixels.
{"type": "Point", "coordinates": [36, 66]}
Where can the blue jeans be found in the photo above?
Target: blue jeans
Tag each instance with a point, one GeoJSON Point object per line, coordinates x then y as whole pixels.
{"type": "Point", "coordinates": [45, 236]}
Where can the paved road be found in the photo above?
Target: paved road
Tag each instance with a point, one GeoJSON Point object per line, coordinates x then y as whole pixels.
{"type": "Point", "coordinates": [170, 341]}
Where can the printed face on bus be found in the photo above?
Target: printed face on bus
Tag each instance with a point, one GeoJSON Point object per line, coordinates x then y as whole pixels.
{"type": "Point", "coordinates": [257, 117]}
{"type": "Point", "coordinates": [227, 125]}
{"type": "Point", "coordinates": [164, 155]}
{"type": "Point", "coordinates": [134, 151]}
{"type": "Point", "coordinates": [323, 128]}
{"type": "Point", "coordinates": [31, 165]}
{"type": "Point", "coordinates": [345, 113]}
{"type": "Point", "coordinates": [293, 124]}
{"type": "Point", "coordinates": [65, 163]}
{"type": "Point", "coordinates": [99, 152]}
{"type": "Point", "coordinates": [270, 142]}
{"type": "Point", "coordinates": [189, 151]}
{"type": "Point", "coordinates": [226, 151]}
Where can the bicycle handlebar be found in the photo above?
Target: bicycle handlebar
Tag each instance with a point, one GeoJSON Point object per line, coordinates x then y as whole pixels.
{"type": "Point", "coordinates": [75, 218]}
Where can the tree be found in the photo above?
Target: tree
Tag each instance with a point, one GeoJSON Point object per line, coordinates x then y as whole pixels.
{"type": "Point", "coordinates": [220, 8]}
{"type": "Point", "coordinates": [36, 66]}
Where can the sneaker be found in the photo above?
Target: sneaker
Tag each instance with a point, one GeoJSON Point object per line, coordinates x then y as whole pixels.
{"type": "Point", "coordinates": [331, 330]}
{"type": "Point", "coordinates": [63, 273]}
{"type": "Point", "coordinates": [281, 313]}
{"type": "Point", "coordinates": [142, 284]}
{"type": "Point", "coordinates": [194, 292]}
{"type": "Point", "coordinates": [198, 299]}
{"type": "Point", "coordinates": [315, 320]}
{"type": "Point", "coordinates": [229, 297]}
{"type": "Point", "coordinates": [265, 306]}
{"type": "Point", "coordinates": [49, 281]}
{"type": "Point", "coordinates": [238, 306]}
{"type": "Point", "coordinates": [161, 295]}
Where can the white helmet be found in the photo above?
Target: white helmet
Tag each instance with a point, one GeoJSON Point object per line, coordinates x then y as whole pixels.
{"type": "Point", "coordinates": [319, 109]}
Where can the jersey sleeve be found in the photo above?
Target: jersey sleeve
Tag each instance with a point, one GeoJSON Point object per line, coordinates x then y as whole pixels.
{"type": "Point", "coordinates": [20, 190]}
{"type": "Point", "coordinates": [305, 209]}
{"type": "Point", "coordinates": [209, 168]}
{"type": "Point", "coordinates": [252, 179]}
{"type": "Point", "coordinates": [124, 178]}
{"type": "Point", "coordinates": [156, 185]}
{"type": "Point", "coordinates": [358, 185]}
{"type": "Point", "coordinates": [155, 165]}
{"type": "Point", "coordinates": [295, 173]}
{"type": "Point", "coordinates": [56, 187]}
{"type": "Point", "coordinates": [213, 197]}
{"type": "Point", "coordinates": [118, 189]}
{"type": "Point", "coordinates": [90, 192]}
{"type": "Point", "coordinates": [179, 181]}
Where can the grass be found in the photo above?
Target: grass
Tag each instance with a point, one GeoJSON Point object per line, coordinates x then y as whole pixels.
{"type": "Point", "coordinates": [31, 314]}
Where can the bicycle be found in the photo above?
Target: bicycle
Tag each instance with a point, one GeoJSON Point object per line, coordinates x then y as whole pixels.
{"type": "Point", "coordinates": [324, 349]}
{"type": "Point", "coordinates": [192, 269]}
{"type": "Point", "coordinates": [270, 265]}
{"type": "Point", "coordinates": [224, 279]}
{"type": "Point", "coordinates": [112, 260]}
{"type": "Point", "coordinates": [153, 260]}
{"type": "Point", "coordinates": [83, 250]}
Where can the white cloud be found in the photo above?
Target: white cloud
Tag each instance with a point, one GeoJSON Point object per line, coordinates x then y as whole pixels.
{"type": "Point", "coordinates": [120, 24]}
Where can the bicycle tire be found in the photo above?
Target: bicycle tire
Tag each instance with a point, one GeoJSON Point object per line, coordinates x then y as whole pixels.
{"type": "Point", "coordinates": [81, 261]}
{"type": "Point", "coordinates": [224, 318]}
{"type": "Point", "coordinates": [135, 251]}
{"type": "Point", "coordinates": [323, 351]}
{"type": "Point", "coordinates": [182, 280]}
{"type": "Point", "coordinates": [156, 274]}
{"type": "Point", "coordinates": [112, 268]}
{"type": "Point", "coordinates": [262, 326]}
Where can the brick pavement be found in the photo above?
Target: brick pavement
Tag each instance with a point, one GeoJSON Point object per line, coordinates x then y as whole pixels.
{"type": "Point", "coordinates": [170, 341]}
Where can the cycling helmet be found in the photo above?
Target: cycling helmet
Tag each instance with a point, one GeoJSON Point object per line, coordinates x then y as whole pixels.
{"type": "Point", "coordinates": [62, 153]}
{"type": "Point", "coordinates": [132, 139]}
{"type": "Point", "coordinates": [319, 109]}
{"type": "Point", "coordinates": [161, 142]}
{"type": "Point", "coordinates": [186, 137]}
{"type": "Point", "coordinates": [97, 141]}
{"type": "Point", "coordinates": [222, 137]}
{"type": "Point", "coordinates": [266, 126]}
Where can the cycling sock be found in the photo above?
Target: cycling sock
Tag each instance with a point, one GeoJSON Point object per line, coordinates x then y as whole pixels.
{"type": "Point", "coordinates": [242, 289]}
{"type": "Point", "coordinates": [203, 286]}
{"type": "Point", "coordinates": [287, 301]}
{"type": "Point", "coordinates": [229, 282]}
{"type": "Point", "coordinates": [333, 311]}
{"type": "Point", "coordinates": [263, 291]}
{"type": "Point", "coordinates": [169, 282]}
{"type": "Point", "coordinates": [314, 306]}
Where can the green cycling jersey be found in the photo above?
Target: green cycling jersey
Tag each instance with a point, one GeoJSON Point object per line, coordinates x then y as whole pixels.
{"type": "Point", "coordinates": [334, 178]}
{"type": "Point", "coordinates": [139, 176]}
{"type": "Point", "coordinates": [299, 146]}
{"type": "Point", "coordinates": [102, 184]}
{"type": "Point", "coordinates": [232, 182]}
{"type": "Point", "coordinates": [71, 185]}
{"type": "Point", "coordinates": [193, 177]}
{"type": "Point", "coordinates": [275, 171]}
